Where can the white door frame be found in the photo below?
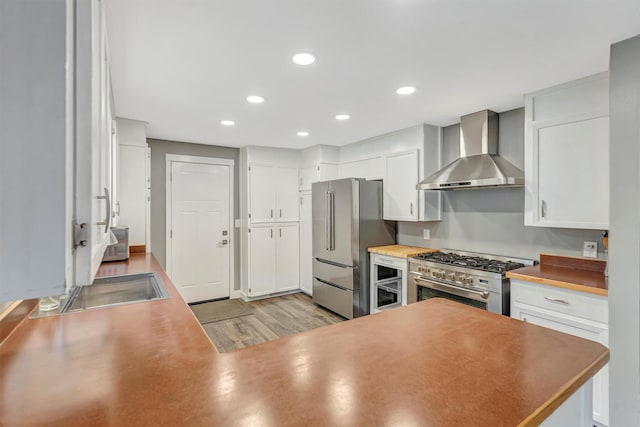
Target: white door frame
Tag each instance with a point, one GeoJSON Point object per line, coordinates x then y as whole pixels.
{"type": "Point", "coordinates": [169, 159]}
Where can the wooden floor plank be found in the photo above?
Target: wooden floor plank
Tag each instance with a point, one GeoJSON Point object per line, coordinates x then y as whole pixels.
{"type": "Point", "coordinates": [272, 318]}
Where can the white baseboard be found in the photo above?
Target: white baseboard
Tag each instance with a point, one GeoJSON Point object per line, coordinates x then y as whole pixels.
{"type": "Point", "coordinates": [277, 294]}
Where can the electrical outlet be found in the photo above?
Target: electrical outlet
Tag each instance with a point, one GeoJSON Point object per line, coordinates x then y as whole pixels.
{"type": "Point", "coordinates": [238, 224]}
{"type": "Point", "coordinates": [426, 234]}
{"type": "Point", "coordinates": [590, 249]}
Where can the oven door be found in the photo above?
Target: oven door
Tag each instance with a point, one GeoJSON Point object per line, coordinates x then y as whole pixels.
{"type": "Point", "coordinates": [429, 289]}
{"type": "Point", "coordinates": [388, 295]}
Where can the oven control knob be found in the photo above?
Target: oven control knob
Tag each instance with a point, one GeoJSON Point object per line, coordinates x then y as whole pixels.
{"type": "Point", "coordinates": [452, 276]}
{"type": "Point", "coordinates": [468, 280]}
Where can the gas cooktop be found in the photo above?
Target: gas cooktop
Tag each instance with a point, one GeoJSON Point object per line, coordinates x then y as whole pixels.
{"type": "Point", "coordinates": [473, 261]}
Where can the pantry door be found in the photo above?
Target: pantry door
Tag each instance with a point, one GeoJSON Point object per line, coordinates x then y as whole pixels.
{"type": "Point", "coordinates": [199, 229]}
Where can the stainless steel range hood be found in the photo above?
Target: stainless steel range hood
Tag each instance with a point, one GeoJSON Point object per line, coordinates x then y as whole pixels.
{"type": "Point", "coordinates": [479, 165]}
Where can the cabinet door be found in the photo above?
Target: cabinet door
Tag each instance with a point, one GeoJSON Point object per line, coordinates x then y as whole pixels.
{"type": "Point", "coordinates": [133, 191]}
{"type": "Point", "coordinates": [36, 150]}
{"type": "Point", "coordinates": [287, 255]}
{"type": "Point", "coordinates": [262, 193]}
{"type": "Point", "coordinates": [400, 201]}
{"type": "Point", "coordinates": [306, 244]}
{"type": "Point", "coordinates": [567, 155]}
{"type": "Point", "coordinates": [308, 176]}
{"type": "Point", "coordinates": [286, 194]}
{"type": "Point", "coordinates": [328, 171]}
{"type": "Point", "coordinates": [262, 261]}
{"type": "Point", "coordinates": [584, 329]}
{"type": "Point", "coordinates": [93, 137]}
{"type": "Point", "coordinates": [368, 169]}
{"type": "Point", "coordinates": [573, 168]}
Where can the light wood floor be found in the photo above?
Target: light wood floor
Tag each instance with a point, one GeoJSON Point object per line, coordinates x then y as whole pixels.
{"type": "Point", "coordinates": [272, 318]}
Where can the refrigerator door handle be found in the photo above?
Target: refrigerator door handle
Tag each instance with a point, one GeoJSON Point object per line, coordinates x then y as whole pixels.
{"type": "Point", "coordinates": [332, 200]}
{"type": "Point", "coordinates": [326, 221]}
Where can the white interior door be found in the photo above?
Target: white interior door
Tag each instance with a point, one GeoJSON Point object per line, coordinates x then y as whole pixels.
{"type": "Point", "coordinates": [200, 230]}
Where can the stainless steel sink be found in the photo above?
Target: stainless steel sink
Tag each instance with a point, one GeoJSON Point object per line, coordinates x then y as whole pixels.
{"type": "Point", "coordinates": [116, 290]}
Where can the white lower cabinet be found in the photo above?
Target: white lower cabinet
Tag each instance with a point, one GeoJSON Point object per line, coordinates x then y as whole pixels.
{"type": "Point", "coordinates": [388, 282]}
{"type": "Point", "coordinates": [306, 245]}
{"type": "Point", "coordinates": [287, 253]}
{"type": "Point", "coordinates": [262, 261]}
{"type": "Point", "coordinates": [575, 313]}
{"type": "Point", "coordinates": [273, 259]}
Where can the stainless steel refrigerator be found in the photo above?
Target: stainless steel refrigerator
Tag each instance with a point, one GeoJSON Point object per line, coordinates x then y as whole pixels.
{"type": "Point", "coordinates": [347, 219]}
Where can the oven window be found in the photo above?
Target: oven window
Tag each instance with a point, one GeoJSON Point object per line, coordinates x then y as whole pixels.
{"type": "Point", "coordinates": [385, 273]}
{"type": "Point", "coordinates": [387, 297]}
{"type": "Point", "coordinates": [426, 293]}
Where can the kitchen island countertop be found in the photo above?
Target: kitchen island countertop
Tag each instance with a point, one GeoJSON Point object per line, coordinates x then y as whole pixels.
{"type": "Point", "coordinates": [152, 364]}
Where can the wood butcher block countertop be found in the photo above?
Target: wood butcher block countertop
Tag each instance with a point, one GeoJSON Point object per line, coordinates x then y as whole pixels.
{"type": "Point", "coordinates": [400, 251]}
{"type": "Point", "coordinates": [435, 363]}
{"type": "Point", "coordinates": [578, 274]}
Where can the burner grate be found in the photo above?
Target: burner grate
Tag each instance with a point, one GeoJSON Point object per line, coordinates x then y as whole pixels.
{"type": "Point", "coordinates": [473, 262]}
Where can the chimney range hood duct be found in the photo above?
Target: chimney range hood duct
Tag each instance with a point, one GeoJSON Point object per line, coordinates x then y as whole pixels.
{"type": "Point", "coordinates": [479, 165]}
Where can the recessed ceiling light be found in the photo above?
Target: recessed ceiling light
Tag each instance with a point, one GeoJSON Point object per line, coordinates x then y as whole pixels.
{"type": "Point", "coordinates": [406, 90]}
{"type": "Point", "coordinates": [255, 99]}
{"type": "Point", "coordinates": [303, 133]}
{"type": "Point", "coordinates": [343, 117]}
{"type": "Point", "coordinates": [304, 58]}
{"type": "Point", "coordinates": [227, 122]}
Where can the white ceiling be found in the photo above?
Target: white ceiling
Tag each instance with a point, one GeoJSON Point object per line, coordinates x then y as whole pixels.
{"type": "Point", "coordinates": [184, 65]}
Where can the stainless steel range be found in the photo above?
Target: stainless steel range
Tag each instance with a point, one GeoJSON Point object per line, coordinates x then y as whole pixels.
{"type": "Point", "coordinates": [470, 278]}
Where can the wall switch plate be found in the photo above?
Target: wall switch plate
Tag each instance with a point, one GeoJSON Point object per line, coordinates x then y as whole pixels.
{"type": "Point", "coordinates": [426, 234]}
{"type": "Point", "coordinates": [590, 249]}
{"type": "Point", "coordinates": [238, 224]}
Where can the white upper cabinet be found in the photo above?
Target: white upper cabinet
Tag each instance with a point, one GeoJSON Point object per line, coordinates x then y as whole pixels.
{"type": "Point", "coordinates": [372, 168]}
{"type": "Point", "coordinates": [56, 58]}
{"type": "Point", "coordinates": [400, 197]}
{"type": "Point", "coordinates": [94, 139]}
{"type": "Point", "coordinates": [567, 155]}
{"type": "Point", "coordinates": [316, 173]}
{"type": "Point", "coordinates": [286, 194]}
{"type": "Point", "coordinates": [273, 194]}
{"type": "Point", "coordinates": [262, 196]}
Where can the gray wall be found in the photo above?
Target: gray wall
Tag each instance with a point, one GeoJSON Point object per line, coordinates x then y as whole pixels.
{"type": "Point", "coordinates": [492, 220]}
{"type": "Point", "coordinates": [159, 149]}
{"type": "Point", "coordinates": [624, 270]}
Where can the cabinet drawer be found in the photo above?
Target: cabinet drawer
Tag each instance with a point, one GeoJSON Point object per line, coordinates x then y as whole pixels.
{"type": "Point", "coordinates": [389, 260]}
{"type": "Point", "coordinates": [587, 306]}
{"type": "Point", "coordinates": [338, 300]}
